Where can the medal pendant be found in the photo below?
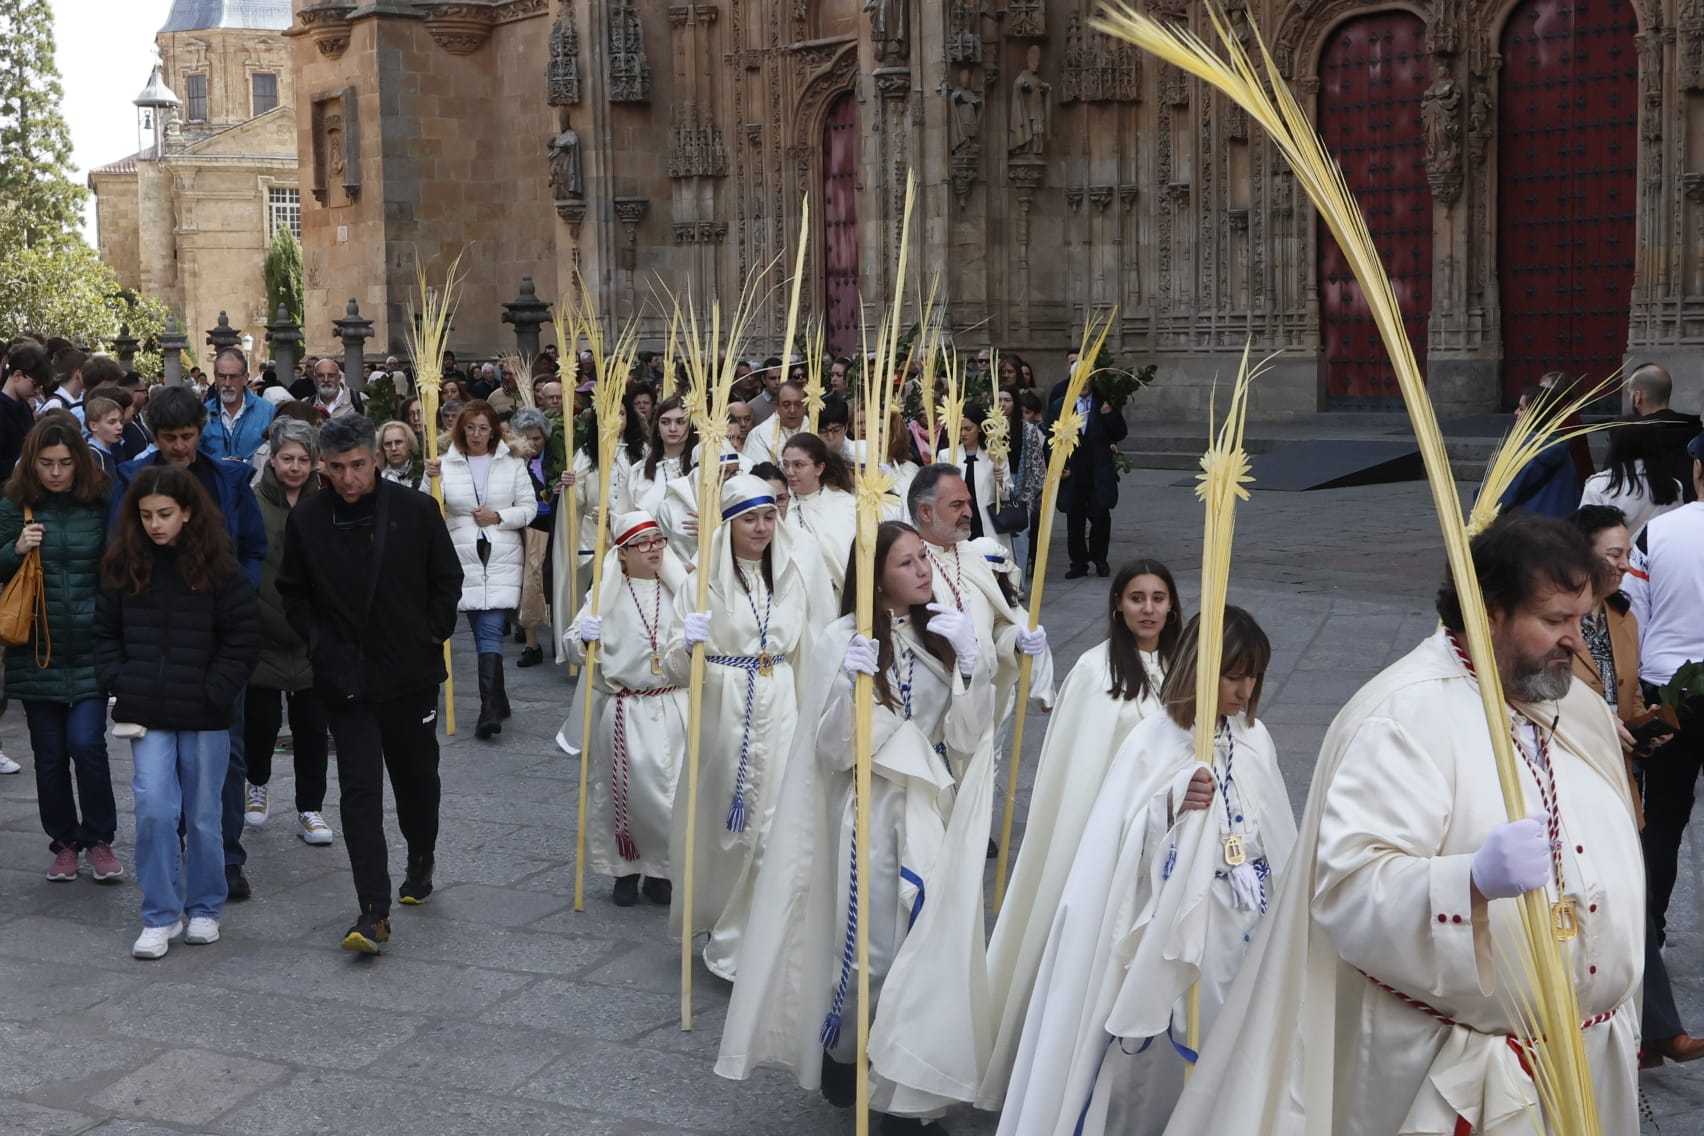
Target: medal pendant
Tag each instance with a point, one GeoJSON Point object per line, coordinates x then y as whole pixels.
{"type": "Point", "coordinates": [766, 664]}
{"type": "Point", "coordinates": [656, 663]}
{"type": "Point", "coordinates": [1563, 922]}
{"type": "Point", "coordinates": [1235, 854]}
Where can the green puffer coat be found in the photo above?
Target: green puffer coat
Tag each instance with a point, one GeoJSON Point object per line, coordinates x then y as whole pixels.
{"type": "Point", "coordinates": [283, 656]}
{"type": "Point", "coordinates": [72, 542]}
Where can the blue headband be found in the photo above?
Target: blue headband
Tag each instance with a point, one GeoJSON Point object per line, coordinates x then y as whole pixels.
{"type": "Point", "coordinates": [746, 506]}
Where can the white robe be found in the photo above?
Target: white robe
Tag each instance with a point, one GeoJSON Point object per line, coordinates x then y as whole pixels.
{"type": "Point", "coordinates": [727, 859]}
{"type": "Point", "coordinates": [1085, 731]}
{"type": "Point", "coordinates": [1146, 912]}
{"type": "Point", "coordinates": [583, 544]}
{"type": "Point", "coordinates": [1308, 1044]}
{"type": "Point", "coordinates": [647, 492]}
{"type": "Point", "coordinates": [827, 519]}
{"type": "Point", "coordinates": [930, 1028]}
{"type": "Point", "coordinates": [989, 490]}
{"type": "Point", "coordinates": [766, 441]}
{"type": "Point", "coordinates": [654, 724]}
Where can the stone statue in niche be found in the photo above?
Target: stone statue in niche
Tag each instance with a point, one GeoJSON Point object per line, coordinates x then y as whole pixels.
{"type": "Point", "coordinates": [1030, 109]}
{"type": "Point", "coordinates": [889, 28]}
{"type": "Point", "coordinates": [1481, 114]}
{"type": "Point", "coordinates": [1440, 116]}
{"type": "Point", "coordinates": [565, 173]}
{"type": "Point", "coordinates": [334, 158]}
{"type": "Point", "coordinates": [965, 122]}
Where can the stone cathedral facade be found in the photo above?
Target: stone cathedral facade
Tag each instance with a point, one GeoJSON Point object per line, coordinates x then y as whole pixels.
{"type": "Point", "coordinates": [1533, 171]}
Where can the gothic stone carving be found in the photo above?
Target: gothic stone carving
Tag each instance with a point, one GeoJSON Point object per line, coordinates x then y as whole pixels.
{"type": "Point", "coordinates": [509, 11]}
{"type": "Point", "coordinates": [573, 212]}
{"type": "Point", "coordinates": [964, 119]}
{"type": "Point", "coordinates": [1098, 68]}
{"type": "Point", "coordinates": [696, 146]}
{"type": "Point", "coordinates": [1440, 115]}
{"type": "Point", "coordinates": [563, 72]}
{"type": "Point", "coordinates": [1481, 120]}
{"type": "Point", "coordinates": [964, 37]}
{"type": "Point", "coordinates": [327, 26]}
{"type": "Point", "coordinates": [629, 70]}
{"type": "Point", "coordinates": [890, 28]}
{"type": "Point", "coordinates": [1031, 109]}
{"type": "Point", "coordinates": [460, 29]}
{"type": "Point", "coordinates": [336, 146]}
{"type": "Point", "coordinates": [565, 170]}
{"type": "Point", "coordinates": [1026, 19]}
{"type": "Point", "coordinates": [700, 232]}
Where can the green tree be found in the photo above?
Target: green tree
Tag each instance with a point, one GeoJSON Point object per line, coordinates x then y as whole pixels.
{"type": "Point", "coordinates": [284, 275]}
{"type": "Point", "coordinates": [35, 145]}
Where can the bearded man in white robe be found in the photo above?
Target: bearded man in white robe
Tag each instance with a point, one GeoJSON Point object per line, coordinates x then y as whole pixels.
{"type": "Point", "coordinates": [1379, 997]}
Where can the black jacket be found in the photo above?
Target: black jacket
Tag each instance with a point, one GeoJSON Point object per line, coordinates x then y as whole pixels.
{"type": "Point", "coordinates": [379, 634]}
{"type": "Point", "coordinates": [1091, 480]}
{"type": "Point", "coordinates": [176, 658]}
{"type": "Point", "coordinates": [1677, 430]}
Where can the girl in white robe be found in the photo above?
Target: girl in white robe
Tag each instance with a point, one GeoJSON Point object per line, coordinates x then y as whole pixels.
{"type": "Point", "coordinates": [638, 713]}
{"type": "Point", "coordinates": [678, 511]}
{"type": "Point", "coordinates": [1114, 686]}
{"type": "Point", "coordinates": [1170, 883]}
{"type": "Point", "coordinates": [822, 508]}
{"type": "Point", "coordinates": [794, 1004]}
{"type": "Point", "coordinates": [990, 481]}
{"type": "Point", "coordinates": [765, 596]}
{"type": "Point", "coordinates": [669, 455]}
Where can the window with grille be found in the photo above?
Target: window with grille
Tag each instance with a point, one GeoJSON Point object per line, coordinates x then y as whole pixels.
{"type": "Point", "coordinates": [195, 97]}
{"type": "Point", "coordinates": [284, 208]}
{"type": "Point", "coordinates": [265, 85]}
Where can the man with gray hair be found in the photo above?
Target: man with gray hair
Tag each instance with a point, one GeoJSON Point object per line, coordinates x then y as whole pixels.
{"type": "Point", "coordinates": [1649, 389]}
{"type": "Point", "coordinates": [377, 654]}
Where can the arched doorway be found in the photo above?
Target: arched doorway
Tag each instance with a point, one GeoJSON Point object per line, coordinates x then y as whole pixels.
{"type": "Point", "coordinates": [840, 224]}
{"type": "Point", "coordinates": [1373, 72]}
{"type": "Point", "coordinates": [1567, 154]}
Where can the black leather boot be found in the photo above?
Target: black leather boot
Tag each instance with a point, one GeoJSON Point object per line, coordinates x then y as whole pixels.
{"type": "Point", "coordinates": [490, 723]}
{"type": "Point", "coordinates": [500, 693]}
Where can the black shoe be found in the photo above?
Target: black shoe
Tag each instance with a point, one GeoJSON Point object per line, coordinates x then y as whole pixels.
{"type": "Point", "coordinates": [236, 884]}
{"type": "Point", "coordinates": [531, 657]}
{"type": "Point", "coordinates": [993, 849]}
{"type": "Point", "coordinates": [490, 665]}
{"type": "Point", "coordinates": [658, 891]}
{"type": "Point", "coordinates": [369, 931]}
{"type": "Point", "coordinates": [626, 891]}
{"type": "Point", "coordinates": [417, 885]}
{"type": "Point", "coordinates": [1103, 569]}
{"type": "Point", "coordinates": [839, 1083]}
{"type": "Point", "coordinates": [1077, 572]}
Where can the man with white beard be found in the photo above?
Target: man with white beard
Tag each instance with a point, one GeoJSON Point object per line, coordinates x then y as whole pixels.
{"type": "Point", "coordinates": [1378, 999]}
{"type": "Point", "coordinates": [332, 397]}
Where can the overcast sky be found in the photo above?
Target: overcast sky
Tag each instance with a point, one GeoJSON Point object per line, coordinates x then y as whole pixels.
{"type": "Point", "coordinates": [106, 48]}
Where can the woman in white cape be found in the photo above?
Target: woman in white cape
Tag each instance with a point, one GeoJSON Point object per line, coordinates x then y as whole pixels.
{"type": "Point", "coordinates": [1114, 686]}
{"type": "Point", "coordinates": [765, 595]}
{"type": "Point", "coordinates": [823, 509]}
{"type": "Point", "coordinates": [794, 1004]}
{"type": "Point", "coordinates": [638, 712]}
{"type": "Point", "coordinates": [670, 455]}
{"type": "Point", "coordinates": [1170, 883]}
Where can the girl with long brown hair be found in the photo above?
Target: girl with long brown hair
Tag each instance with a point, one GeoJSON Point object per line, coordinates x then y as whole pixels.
{"type": "Point", "coordinates": [177, 635]}
{"type": "Point", "coordinates": [822, 509]}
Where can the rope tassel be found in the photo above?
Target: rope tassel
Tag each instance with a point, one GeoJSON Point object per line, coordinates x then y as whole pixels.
{"type": "Point", "coordinates": [831, 1023]}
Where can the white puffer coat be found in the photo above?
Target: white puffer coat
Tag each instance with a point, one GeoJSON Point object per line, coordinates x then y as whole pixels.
{"type": "Point", "coordinates": [496, 584]}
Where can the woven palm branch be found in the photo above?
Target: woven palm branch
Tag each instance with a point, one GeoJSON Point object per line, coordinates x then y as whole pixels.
{"type": "Point", "coordinates": [521, 367]}
{"type": "Point", "coordinates": [1557, 1056]}
{"type": "Point", "coordinates": [1541, 427]}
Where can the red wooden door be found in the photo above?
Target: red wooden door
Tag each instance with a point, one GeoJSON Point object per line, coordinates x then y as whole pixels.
{"type": "Point", "coordinates": [1567, 167]}
{"type": "Point", "coordinates": [840, 224]}
{"type": "Point", "coordinates": [1372, 74]}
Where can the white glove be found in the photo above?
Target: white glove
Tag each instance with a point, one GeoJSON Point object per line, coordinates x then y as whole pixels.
{"type": "Point", "coordinates": [862, 656]}
{"type": "Point", "coordinates": [591, 629]}
{"type": "Point", "coordinates": [1515, 859]}
{"type": "Point", "coordinates": [696, 628]}
{"type": "Point", "coordinates": [958, 629]}
{"type": "Point", "coordinates": [1032, 643]}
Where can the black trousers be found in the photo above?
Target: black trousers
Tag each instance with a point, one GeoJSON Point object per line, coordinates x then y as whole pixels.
{"type": "Point", "coordinates": [1671, 780]}
{"type": "Point", "coordinates": [1088, 535]}
{"type": "Point", "coordinates": [1661, 1020]}
{"type": "Point", "coordinates": [263, 714]}
{"type": "Point", "coordinates": [399, 735]}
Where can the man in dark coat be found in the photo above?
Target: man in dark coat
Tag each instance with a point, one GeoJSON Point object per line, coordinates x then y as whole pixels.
{"type": "Point", "coordinates": [1649, 390]}
{"type": "Point", "coordinates": [378, 655]}
{"type": "Point", "coordinates": [1090, 488]}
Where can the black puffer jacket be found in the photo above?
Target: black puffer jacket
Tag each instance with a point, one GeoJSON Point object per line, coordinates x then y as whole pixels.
{"type": "Point", "coordinates": [175, 657]}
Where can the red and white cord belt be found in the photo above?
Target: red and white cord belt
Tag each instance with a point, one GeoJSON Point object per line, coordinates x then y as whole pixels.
{"type": "Point", "coordinates": [618, 779]}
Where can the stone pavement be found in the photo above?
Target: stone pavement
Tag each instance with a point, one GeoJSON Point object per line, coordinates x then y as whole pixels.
{"type": "Point", "coordinates": [497, 1007]}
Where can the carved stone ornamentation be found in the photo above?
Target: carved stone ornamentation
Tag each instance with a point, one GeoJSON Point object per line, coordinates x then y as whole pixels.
{"type": "Point", "coordinates": [964, 34]}
{"type": "Point", "coordinates": [460, 29]}
{"type": "Point", "coordinates": [1032, 110]}
{"type": "Point", "coordinates": [509, 11]}
{"type": "Point", "coordinates": [336, 147]}
{"type": "Point", "coordinates": [1025, 174]}
{"type": "Point", "coordinates": [1174, 85]}
{"type": "Point", "coordinates": [1098, 68]}
{"type": "Point", "coordinates": [1692, 184]}
{"type": "Point", "coordinates": [1100, 196]}
{"type": "Point", "coordinates": [700, 232]}
{"type": "Point", "coordinates": [696, 146]}
{"type": "Point", "coordinates": [573, 212]}
{"type": "Point", "coordinates": [1127, 195]}
{"type": "Point", "coordinates": [1074, 197]}
{"type": "Point", "coordinates": [1443, 31]}
{"type": "Point", "coordinates": [629, 69]}
{"type": "Point", "coordinates": [964, 115]}
{"type": "Point", "coordinates": [890, 29]}
{"type": "Point", "coordinates": [1026, 19]}
{"type": "Point", "coordinates": [1481, 121]}
{"type": "Point", "coordinates": [893, 82]}
{"type": "Point", "coordinates": [966, 169]}
{"type": "Point", "coordinates": [566, 176]}
{"type": "Point", "coordinates": [630, 211]}
{"type": "Point", "coordinates": [1440, 117]}
{"type": "Point", "coordinates": [327, 26]}
{"type": "Point", "coordinates": [562, 75]}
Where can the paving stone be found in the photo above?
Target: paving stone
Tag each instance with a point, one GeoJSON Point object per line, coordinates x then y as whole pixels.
{"type": "Point", "coordinates": [20, 1118]}
{"type": "Point", "coordinates": [39, 990]}
{"type": "Point", "coordinates": [58, 937]}
{"type": "Point", "coordinates": [608, 1012]}
{"type": "Point", "coordinates": [38, 1060]}
{"type": "Point", "coordinates": [480, 904]}
{"type": "Point", "coordinates": [462, 1056]}
{"type": "Point", "coordinates": [187, 1086]}
{"type": "Point", "coordinates": [315, 1103]}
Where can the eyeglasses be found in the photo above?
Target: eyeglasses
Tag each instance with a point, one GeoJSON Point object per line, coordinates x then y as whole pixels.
{"type": "Point", "coordinates": [651, 545]}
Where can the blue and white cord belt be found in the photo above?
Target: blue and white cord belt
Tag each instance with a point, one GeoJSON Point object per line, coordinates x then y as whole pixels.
{"type": "Point", "coordinates": [750, 664]}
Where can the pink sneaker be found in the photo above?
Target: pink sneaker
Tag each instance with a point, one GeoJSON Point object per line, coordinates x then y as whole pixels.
{"type": "Point", "coordinates": [64, 866]}
{"type": "Point", "coordinates": [103, 863]}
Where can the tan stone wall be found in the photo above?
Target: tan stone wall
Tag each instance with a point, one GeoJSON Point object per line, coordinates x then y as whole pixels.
{"type": "Point", "coordinates": [228, 57]}
{"type": "Point", "coordinates": [116, 222]}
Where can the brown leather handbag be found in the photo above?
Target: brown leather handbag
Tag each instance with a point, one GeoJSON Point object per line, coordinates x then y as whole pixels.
{"type": "Point", "coordinates": [23, 602]}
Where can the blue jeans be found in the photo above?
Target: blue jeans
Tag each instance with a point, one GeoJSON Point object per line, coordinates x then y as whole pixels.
{"type": "Point", "coordinates": [69, 739]}
{"type": "Point", "coordinates": [179, 774]}
{"type": "Point", "coordinates": [488, 628]}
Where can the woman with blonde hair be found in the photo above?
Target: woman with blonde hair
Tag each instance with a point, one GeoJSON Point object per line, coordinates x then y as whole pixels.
{"type": "Point", "coordinates": [399, 456]}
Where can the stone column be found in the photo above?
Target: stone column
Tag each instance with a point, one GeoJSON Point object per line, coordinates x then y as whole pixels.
{"type": "Point", "coordinates": [284, 335]}
{"type": "Point", "coordinates": [172, 346]}
{"type": "Point", "coordinates": [223, 335]}
{"type": "Point", "coordinates": [124, 345]}
{"type": "Point", "coordinates": [528, 313]}
{"type": "Point", "coordinates": [354, 331]}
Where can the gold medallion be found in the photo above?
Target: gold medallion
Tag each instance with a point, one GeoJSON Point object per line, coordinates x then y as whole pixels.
{"type": "Point", "coordinates": [1564, 923]}
{"type": "Point", "coordinates": [766, 664]}
{"type": "Point", "coordinates": [1235, 854]}
{"type": "Point", "coordinates": [656, 663]}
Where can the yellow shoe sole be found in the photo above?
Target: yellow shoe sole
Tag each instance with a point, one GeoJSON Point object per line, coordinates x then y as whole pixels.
{"type": "Point", "coordinates": [411, 901]}
{"type": "Point", "coordinates": [355, 941]}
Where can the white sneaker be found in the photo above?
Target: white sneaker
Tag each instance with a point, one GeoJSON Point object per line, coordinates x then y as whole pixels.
{"type": "Point", "coordinates": [202, 930]}
{"type": "Point", "coordinates": [258, 809]}
{"type": "Point", "coordinates": [152, 942]}
{"type": "Point", "coordinates": [312, 828]}
{"type": "Point", "coordinates": [7, 765]}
